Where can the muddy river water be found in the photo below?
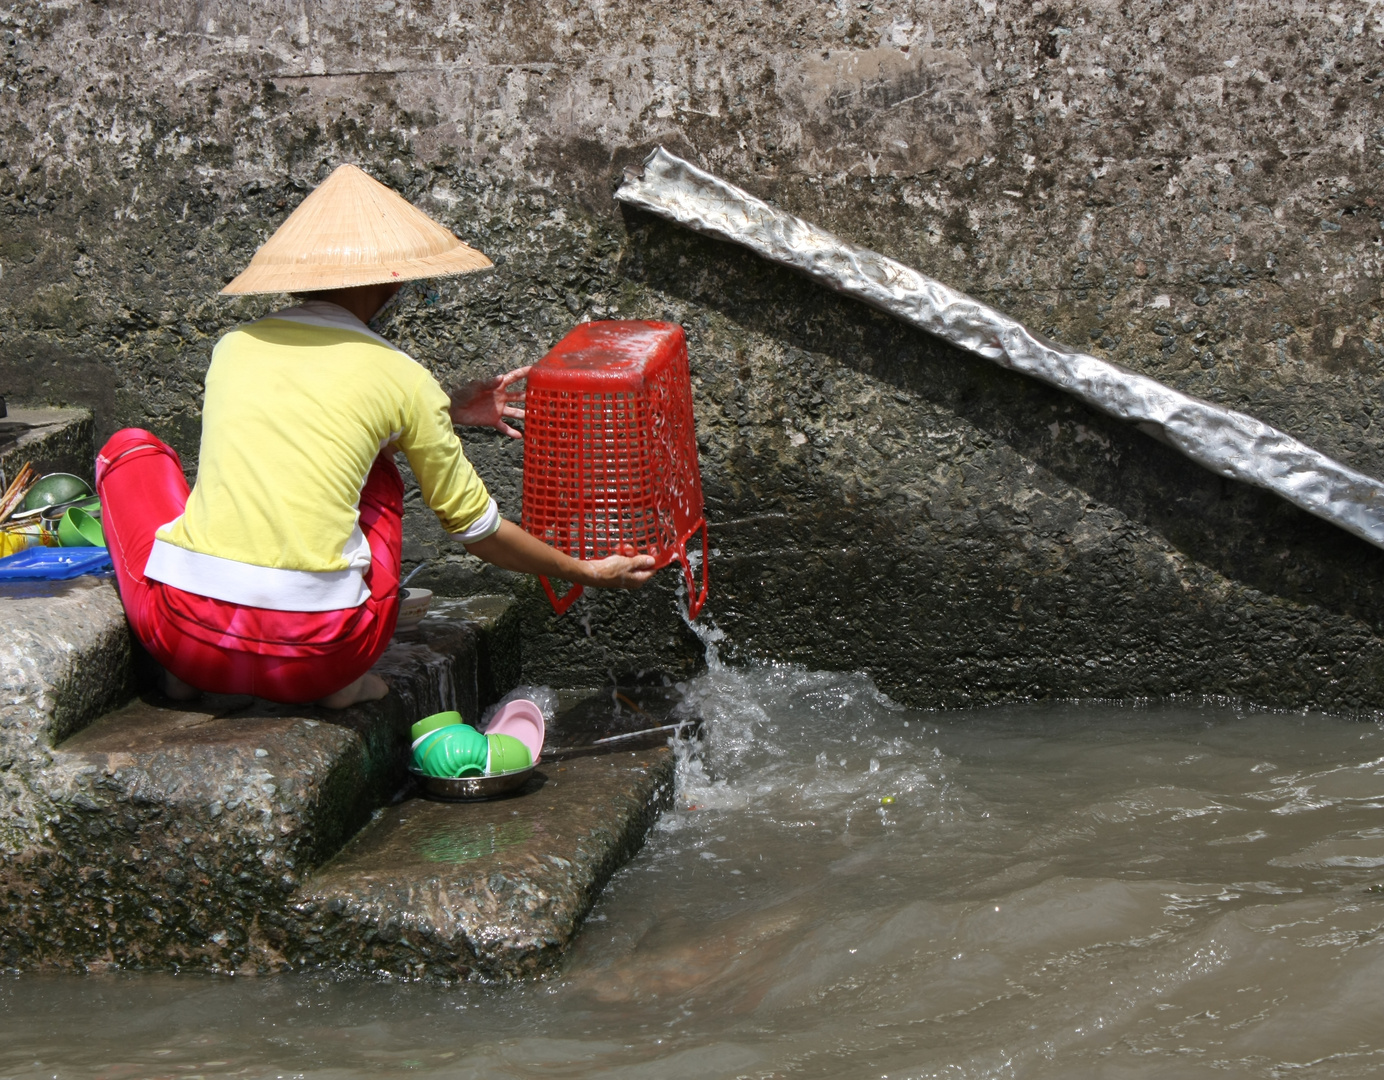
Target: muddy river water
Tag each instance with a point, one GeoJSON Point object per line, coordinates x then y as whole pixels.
{"type": "Point", "coordinates": [851, 889]}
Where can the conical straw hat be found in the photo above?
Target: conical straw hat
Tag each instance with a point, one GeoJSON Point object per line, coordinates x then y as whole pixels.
{"type": "Point", "coordinates": [352, 230]}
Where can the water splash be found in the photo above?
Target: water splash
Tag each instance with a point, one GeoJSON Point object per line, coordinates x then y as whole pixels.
{"type": "Point", "coordinates": [439, 692]}
{"type": "Point", "coordinates": [780, 740]}
{"type": "Point", "coordinates": [704, 628]}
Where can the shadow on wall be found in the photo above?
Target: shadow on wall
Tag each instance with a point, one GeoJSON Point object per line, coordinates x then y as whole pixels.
{"type": "Point", "coordinates": [1251, 537]}
{"type": "Point", "coordinates": [34, 371]}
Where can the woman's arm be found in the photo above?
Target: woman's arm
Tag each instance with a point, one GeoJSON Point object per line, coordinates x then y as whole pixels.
{"type": "Point", "coordinates": [513, 549]}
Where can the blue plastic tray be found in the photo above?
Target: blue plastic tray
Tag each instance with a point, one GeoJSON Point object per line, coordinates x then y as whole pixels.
{"type": "Point", "coordinates": [54, 564]}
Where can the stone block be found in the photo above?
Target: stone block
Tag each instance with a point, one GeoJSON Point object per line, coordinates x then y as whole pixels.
{"type": "Point", "coordinates": [53, 440]}
{"type": "Point", "coordinates": [64, 659]}
{"type": "Point", "coordinates": [494, 891]}
{"type": "Point", "coordinates": [170, 835]}
{"type": "Point", "coordinates": [487, 891]}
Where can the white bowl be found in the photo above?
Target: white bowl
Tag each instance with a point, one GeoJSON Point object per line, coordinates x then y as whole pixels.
{"type": "Point", "coordinates": [413, 605]}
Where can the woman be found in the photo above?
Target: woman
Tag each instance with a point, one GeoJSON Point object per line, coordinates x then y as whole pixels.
{"type": "Point", "coordinates": [278, 574]}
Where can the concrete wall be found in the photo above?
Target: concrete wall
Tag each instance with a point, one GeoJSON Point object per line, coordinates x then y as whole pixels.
{"type": "Point", "coordinates": [1192, 190]}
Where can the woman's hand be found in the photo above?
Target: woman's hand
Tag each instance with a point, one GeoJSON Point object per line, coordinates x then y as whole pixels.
{"type": "Point", "coordinates": [487, 402]}
{"type": "Point", "coordinates": [618, 571]}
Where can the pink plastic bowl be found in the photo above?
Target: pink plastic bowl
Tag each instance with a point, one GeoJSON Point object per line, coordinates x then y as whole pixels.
{"type": "Point", "coordinates": [522, 719]}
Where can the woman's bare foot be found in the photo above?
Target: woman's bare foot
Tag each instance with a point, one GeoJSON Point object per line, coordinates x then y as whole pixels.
{"type": "Point", "coordinates": [369, 687]}
{"type": "Point", "coordinates": [175, 689]}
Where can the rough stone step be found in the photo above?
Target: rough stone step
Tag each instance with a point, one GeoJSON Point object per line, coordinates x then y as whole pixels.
{"type": "Point", "coordinates": [173, 835]}
{"type": "Point", "coordinates": [491, 890]}
{"type": "Point", "coordinates": [51, 439]}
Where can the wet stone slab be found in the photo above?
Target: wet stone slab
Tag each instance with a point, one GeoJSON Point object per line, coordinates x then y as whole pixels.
{"type": "Point", "coordinates": [166, 835]}
{"type": "Point", "coordinates": [225, 834]}
{"type": "Point", "coordinates": [65, 657]}
{"type": "Point", "coordinates": [494, 890]}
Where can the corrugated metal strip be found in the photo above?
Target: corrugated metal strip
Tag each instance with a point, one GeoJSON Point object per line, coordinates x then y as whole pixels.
{"type": "Point", "coordinates": [1228, 443]}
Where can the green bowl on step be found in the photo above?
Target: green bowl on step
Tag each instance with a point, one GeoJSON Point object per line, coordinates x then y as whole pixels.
{"type": "Point", "coordinates": [58, 487]}
{"type": "Point", "coordinates": [507, 754]}
{"type": "Point", "coordinates": [79, 529]}
{"type": "Point", "coordinates": [454, 751]}
{"type": "Point", "coordinates": [422, 746]}
{"type": "Point", "coordinates": [431, 723]}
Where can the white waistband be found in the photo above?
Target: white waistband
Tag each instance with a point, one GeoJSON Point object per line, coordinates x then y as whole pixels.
{"type": "Point", "coordinates": [256, 586]}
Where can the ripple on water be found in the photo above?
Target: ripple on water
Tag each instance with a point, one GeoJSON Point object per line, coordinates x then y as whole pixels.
{"type": "Point", "coordinates": [849, 888]}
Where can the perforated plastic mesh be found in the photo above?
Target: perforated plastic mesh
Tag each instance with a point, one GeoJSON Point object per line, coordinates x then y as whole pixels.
{"type": "Point", "coordinates": [610, 447]}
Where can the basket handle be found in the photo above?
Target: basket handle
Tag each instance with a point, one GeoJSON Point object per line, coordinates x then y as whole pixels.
{"type": "Point", "coordinates": [695, 600]}
{"type": "Point", "coordinates": [563, 602]}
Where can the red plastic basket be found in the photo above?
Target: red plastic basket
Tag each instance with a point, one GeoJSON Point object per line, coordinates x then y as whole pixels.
{"type": "Point", "coordinates": [610, 449]}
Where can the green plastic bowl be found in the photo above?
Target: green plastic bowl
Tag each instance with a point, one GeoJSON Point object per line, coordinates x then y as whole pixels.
{"type": "Point", "coordinates": [432, 723]}
{"type": "Point", "coordinates": [446, 759]}
{"type": "Point", "coordinates": [507, 754]}
{"type": "Point", "coordinates": [58, 487]}
{"type": "Point", "coordinates": [420, 747]}
{"type": "Point", "coordinates": [454, 751]}
{"type": "Point", "coordinates": [79, 529]}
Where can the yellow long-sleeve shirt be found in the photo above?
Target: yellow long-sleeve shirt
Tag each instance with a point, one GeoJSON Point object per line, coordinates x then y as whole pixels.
{"type": "Point", "coordinates": [297, 407]}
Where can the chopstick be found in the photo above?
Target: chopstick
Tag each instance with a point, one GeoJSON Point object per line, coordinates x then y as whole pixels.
{"type": "Point", "coordinates": [558, 751]}
{"type": "Point", "coordinates": [19, 487]}
{"type": "Point", "coordinates": [647, 731]}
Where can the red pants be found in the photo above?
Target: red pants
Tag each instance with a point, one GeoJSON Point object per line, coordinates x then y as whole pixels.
{"type": "Point", "coordinates": [225, 648]}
